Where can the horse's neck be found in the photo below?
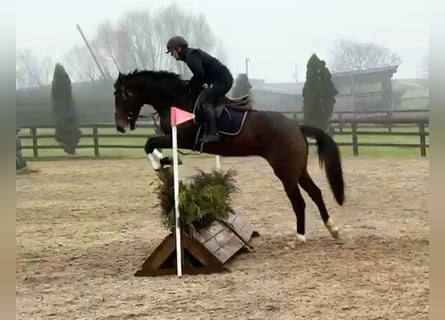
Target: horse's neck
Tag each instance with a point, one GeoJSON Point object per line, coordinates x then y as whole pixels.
{"type": "Point", "coordinates": [183, 101]}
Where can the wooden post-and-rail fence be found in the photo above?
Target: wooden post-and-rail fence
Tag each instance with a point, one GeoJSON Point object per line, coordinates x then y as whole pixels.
{"type": "Point", "coordinates": [356, 129]}
{"type": "Point", "coordinates": [95, 137]}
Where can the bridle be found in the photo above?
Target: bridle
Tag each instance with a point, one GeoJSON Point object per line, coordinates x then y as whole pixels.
{"type": "Point", "coordinates": [153, 115]}
{"type": "Point", "coordinates": [132, 117]}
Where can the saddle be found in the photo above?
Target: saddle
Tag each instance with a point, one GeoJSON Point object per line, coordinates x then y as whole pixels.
{"type": "Point", "coordinates": [225, 103]}
{"type": "Point", "coordinates": [230, 114]}
{"type": "Point", "coordinates": [240, 103]}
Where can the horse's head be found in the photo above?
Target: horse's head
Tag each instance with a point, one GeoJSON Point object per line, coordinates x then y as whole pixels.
{"type": "Point", "coordinates": [160, 89]}
{"type": "Point", "coordinates": [128, 103]}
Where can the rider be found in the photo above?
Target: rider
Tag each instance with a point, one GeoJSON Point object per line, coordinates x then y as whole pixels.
{"type": "Point", "coordinates": [206, 70]}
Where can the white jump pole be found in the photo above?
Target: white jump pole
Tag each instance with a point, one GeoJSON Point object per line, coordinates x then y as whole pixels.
{"type": "Point", "coordinates": [178, 116]}
{"type": "Point", "coordinates": [218, 162]}
{"type": "Point", "coordinates": [176, 191]}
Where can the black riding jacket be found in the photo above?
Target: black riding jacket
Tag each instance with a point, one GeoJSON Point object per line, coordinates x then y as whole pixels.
{"type": "Point", "coordinates": [205, 68]}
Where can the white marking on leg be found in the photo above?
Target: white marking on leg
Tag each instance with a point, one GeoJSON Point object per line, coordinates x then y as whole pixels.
{"type": "Point", "coordinates": [301, 238]}
{"type": "Point", "coordinates": [156, 164]}
{"type": "Point", "coordinates": [156, 153]}
{"type": "Point", "coordinates": [332, 228]}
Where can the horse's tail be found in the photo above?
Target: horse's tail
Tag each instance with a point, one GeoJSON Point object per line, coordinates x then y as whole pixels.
{"type": "Point", "coordinates": [329, 155]}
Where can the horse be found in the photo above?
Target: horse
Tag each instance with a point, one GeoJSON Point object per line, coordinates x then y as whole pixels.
{"type": "Point", "coordinates": [245, 131]}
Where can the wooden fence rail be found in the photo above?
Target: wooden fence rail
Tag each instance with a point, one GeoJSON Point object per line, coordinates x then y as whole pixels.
{"type": "Point", "coordinates": [356, 129]}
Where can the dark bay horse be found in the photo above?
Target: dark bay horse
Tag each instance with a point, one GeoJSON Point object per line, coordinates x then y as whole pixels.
{"type": "Point", "coordinates": [279, 140]}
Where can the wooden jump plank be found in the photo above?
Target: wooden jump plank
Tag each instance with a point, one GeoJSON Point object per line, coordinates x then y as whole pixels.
{"type": "Point", "coordinates": [231, 247]}
{"type": "Point", "coordinates": [203, 253]}
{"type": "Point", "coordinates": [209, 232]}
{"type": "Point", "coordinates": [226, 243]}
{"type": "Point", "coordinates": [163, 259]}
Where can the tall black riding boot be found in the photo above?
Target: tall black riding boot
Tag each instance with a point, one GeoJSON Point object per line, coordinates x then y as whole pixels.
{"type": "Point", "coordinates": [212, 132]}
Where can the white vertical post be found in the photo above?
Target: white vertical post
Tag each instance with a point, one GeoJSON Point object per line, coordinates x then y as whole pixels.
{"type": "Point", "coordinates": [176, 191]}
{"type": "Point", "coordinates": [218, 163]}
{"type": "Point", "coordinates": [178, 116]}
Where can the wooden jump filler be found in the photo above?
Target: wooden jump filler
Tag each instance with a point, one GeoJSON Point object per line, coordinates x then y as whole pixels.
{"type": "Point", "coordinates": [204, 252]}
{"type": "Point", "coordinates": [203, 249]}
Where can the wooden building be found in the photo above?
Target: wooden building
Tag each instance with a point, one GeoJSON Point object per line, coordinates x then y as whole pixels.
{"type": "Point", "coordinates": [363, 90]}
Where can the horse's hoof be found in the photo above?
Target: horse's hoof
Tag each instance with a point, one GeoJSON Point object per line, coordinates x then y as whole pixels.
{"type": "Point", "coordinates": [301, 238]}
{"type": "Point", "coordinates": [155, 163]}
{"type": "Point", "coordinates": [333, 230]}
{"type": "Point", "coordinates": [335, 234]}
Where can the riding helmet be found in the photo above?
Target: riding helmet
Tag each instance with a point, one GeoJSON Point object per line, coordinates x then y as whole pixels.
{"type": "Point", "coordinates": [175, 42]}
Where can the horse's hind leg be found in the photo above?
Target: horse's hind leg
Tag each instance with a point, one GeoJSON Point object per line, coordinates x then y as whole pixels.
{"type": "Point", "coordinates": [314, 193]}
{"type": "Point", "coordinates": [299, 206]}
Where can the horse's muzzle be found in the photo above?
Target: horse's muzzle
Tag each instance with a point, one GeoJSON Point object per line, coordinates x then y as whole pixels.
{"type": "Point", "coordinates": [120, 129]}
{"type": "Point", "coordinates": [122, 122]}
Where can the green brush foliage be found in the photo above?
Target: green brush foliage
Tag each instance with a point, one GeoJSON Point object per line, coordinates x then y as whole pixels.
{"type": "Point", "coordinates": [205, 198]}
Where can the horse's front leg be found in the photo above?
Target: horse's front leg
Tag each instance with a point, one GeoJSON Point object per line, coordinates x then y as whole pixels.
{"type": "Point", "coordinates": [154, 155]}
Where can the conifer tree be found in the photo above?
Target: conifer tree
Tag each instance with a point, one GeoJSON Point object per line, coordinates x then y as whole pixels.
{"type": "Point", "coordinates": [312, 92]}
{"type": "Point", "coordinates": [67, 132]}
{"type": "Point", "coordinates": [318, 94]}
{"type": "Point", "coordinates": [328, 95]}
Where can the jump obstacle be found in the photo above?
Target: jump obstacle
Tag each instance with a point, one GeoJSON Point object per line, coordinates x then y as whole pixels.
{"type": "Point", "coordinates": [207, 251]}
{"type": "Point", "coordinates": [204, 251]}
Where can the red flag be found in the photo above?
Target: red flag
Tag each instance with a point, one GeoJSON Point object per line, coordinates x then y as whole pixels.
{"type": "Point", "coordinates": [179, 116]}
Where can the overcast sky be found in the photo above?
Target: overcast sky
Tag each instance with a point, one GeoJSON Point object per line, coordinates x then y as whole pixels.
{"type": "Point", "coordinates": [275, 35]}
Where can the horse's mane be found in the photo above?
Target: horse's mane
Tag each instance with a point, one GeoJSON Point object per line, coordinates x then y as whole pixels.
{"type": "Point", "coordinates": [158, 77]}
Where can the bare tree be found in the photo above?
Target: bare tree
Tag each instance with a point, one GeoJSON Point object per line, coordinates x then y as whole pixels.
{"type": "Point", "coordinates": [110, 47]}
{"type": "Point", "coordinates": [31, 70]}
{"type": "Point", "coordinates": [200, 33]}
{"type": "Point", "coordinates": [348, 55]}
{"type": "Point", "coordinates": [220, 52]}
{"type": "Point", "coordinates": [80, 64]}
{"type": "Point", "coordinates": [138, 39]}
